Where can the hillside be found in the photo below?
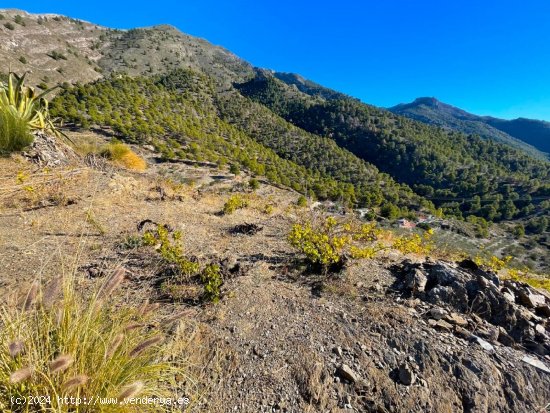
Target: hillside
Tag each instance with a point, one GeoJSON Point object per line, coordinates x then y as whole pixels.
{"type": "Point", "coordinates": [446, 167]}
{"type": "Point", "coordinates": [534, 132]}
{"type": "Point", "coordinates": [281, 338]}
{"type": "Point", "coordinates": [58, 49]}
{"type": "Point", "coordinates": [180, 231]}
{"type": "Point", "coordinates": [531, 136]}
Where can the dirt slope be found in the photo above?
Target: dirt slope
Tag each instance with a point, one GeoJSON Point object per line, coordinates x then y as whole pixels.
{"type": "Point", "coordinates": [360, 341]}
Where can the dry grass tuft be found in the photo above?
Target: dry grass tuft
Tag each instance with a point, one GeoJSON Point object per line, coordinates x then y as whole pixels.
{"type": "Point", "coordinates": [80, 346]}
{"type": "Point", "coordinates": [122, 154]}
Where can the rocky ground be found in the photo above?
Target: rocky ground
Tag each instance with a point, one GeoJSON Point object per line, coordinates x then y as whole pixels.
{"type": "Point", "coordinates": [395, 334]}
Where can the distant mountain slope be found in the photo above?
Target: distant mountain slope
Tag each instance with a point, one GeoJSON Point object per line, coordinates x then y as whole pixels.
{"type": "Point", "coordinates": [531, 136]}
{"type": "Point", "coordinates": [309, 87]}
{"type": "Point", "coordinates": [534, 132]}
{"type": "Point", "coordinates": [446, 166]}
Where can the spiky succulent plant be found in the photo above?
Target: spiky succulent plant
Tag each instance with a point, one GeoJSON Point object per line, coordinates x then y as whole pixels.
{"type": "Point", "coordinates": [24, 103]}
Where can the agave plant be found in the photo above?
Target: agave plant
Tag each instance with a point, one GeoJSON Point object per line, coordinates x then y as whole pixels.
{"type": "Point", "coordinates": [23, 103]}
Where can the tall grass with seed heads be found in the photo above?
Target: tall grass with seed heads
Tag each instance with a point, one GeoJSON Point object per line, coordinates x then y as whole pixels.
{"type": "Point", "coordinates": [57, 343]}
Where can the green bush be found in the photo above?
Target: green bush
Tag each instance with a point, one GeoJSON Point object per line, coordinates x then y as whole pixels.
{"type": "Point", "coordinates": [169, 246]}
{"type": "Point", "coordinates": [254, 184]}
{"type": "Point", "coordinates": [302, 201]}
{"type": "Point", "coordinates": [233, 203]}
{"type": "Point", "coordinates": [14, 132]}
{"type": "Point", "coordinates": [19, 20]}
{"type": "Point", "coordinates": [328, 243]}
{"type": "Point", "coordinates": [9, 26]}
{"type": "Point", "coordinates": [234, 169]}
{"type": "Point", "coordinates": [212, 281]}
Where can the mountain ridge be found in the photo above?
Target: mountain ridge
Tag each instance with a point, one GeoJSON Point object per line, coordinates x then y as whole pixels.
{"type": "Point", "coordinates": [432, 111]}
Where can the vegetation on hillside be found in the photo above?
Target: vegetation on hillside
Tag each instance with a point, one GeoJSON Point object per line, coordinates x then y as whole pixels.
{"type": "Point", "coordinates": [464, 174]}
{"type": "Point", "coordinates": [135, 110]}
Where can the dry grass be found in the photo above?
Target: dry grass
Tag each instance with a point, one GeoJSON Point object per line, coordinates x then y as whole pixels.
{"type": "Point", "coordinates": [27, 189]}
{"type": "Point", "coordinates": [121, 154]}
{"type": "Point", "coordinates": [59, 343]}
{"type": "Point", "coordinates": [313, 382]}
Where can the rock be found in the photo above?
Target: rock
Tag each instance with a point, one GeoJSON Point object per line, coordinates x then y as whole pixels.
{"type": "Point", "coordinates": [456, 319]}
{"type": "Point", "coordinates": [443, 325]}
{"type": "Point", "coordinates": [463, 333]}
{"type": "Point", "coordinates": [539, 328]}
{"type": "Point", "coordinates": [536, 363]}
{"type": "Point", "coordinates": [544, 310]}
{"type": "Point", "coordinates": [406, 375]}
{"type": "Point", "coordinates": [484, 344]}
{"type": "Point", "coordinates": [49, 151]}
{"type": "Point", "coordinates": [338, 351]}
{"type": "Point", "coordinates": [416, 280]}
{"type": "Point", "coordinates": [345, 372]}
{"type": "Point", "coordinates": [246, 229]}
{"type": "Point", "coordinates": [508, 295]}
{"type": "Point", "coordinates": [530, 300]}
{"type": "Point", "coordinates": [437, 313]}
{"type": "Point", "coordinates": [505, 338]}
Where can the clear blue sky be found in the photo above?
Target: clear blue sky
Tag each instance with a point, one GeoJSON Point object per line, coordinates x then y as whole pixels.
{"type": "Point", "coordinates": [486, 56]}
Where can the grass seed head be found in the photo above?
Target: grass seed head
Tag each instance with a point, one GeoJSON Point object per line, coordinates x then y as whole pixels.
{"type": "Point", "coordinates": [61, 363]}
{"type": "Point", "coordinates": [16, 347]}
{"type": "Point", "coordinates": [74, 382]}
{"type": "Point", "coordinates": [21, 375]}
{"type": "Point", "coordinates": [144, 345]}
{"type": "Point", "coordinates": [130, 390]}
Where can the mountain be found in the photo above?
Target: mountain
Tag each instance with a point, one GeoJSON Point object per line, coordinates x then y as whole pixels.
{"type": "Point", "coordinates": [193, 238]}
{"type": "Point", "coordinates": [444, 166]}
{"type": "Point", "coordinates": [58, 49]}
{"type": "Point", "coordinates": [534, 132]}
{"type": "Point", "coordinates": [320, 141]}
{"type": "Point", "coordinates": [532, 136]}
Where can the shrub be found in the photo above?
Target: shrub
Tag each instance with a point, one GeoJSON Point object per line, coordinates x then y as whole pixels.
{"type": "Point", "coordinates": [234, 169]}
{"type": "Point", "coordinates": [23, 59]}
{"type": "Point", "coordinates": [233, 203]}
{"type": "Point", "coordinates": [19, 20]}
{"type": "Point", "coordinates": [254, 184]}
{"type": "Point", "coordinates": [169, 246]}
{"type": "Point", "coordinates": [55, 55]}
{"type": "Point", "coordinates": [123, 155]}
{"type": "Point", "coordinates": [323, 245]}
{"type": "Point", "coordinates": [63, 345]}
{"type": "Point", "coordinates": [14, 132]}
{"type": "Point", "coordinates": [492, 262]}
{"type": "Point", "coordinates": [302, 201]}
{"type": "Point", "coordinates": [212, 281]}
{"type": "Point", "coordinates": [533, 280]}
{"type": "Point", "coordinates": [9, 26]}
{"type": "Point", "coordinates": [414, 243]}
{"type": "Point", "coordinates": [21, 111]}
{"type": "Point", "coordinates": [327, 244]}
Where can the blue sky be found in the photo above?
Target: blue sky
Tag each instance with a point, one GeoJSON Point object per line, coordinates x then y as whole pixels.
{"type": "Point", "coordinates": [488, 57]}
